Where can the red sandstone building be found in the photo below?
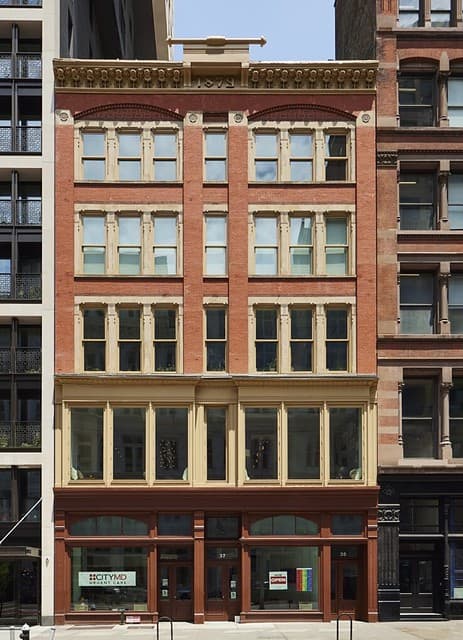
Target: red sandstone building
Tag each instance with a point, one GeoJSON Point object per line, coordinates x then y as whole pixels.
{"type": "Point", "coordinates": [419, 46]}
{"type": "Point", "coordinates": [215, 338]}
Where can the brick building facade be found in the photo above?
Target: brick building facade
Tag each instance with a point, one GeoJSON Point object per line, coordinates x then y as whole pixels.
{"type": "Point", "coordinates": [215, 338]}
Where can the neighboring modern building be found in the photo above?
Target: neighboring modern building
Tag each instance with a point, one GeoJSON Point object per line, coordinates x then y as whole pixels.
{"type": "Point", "coordinates": [419, 44]}
{"type": "Point", "coordinates": [215, 338]}
{"type": "Point", "coordinates": [29, 40]}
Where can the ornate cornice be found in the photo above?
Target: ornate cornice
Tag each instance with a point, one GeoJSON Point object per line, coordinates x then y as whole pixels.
{"type": "Point", "coordinates": [388, 514]}
{"type": "Point", "coordinates": [89, 75]}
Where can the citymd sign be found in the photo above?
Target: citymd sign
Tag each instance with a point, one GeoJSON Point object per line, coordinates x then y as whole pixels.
{"type": "Point", "coordinates": [107, 578]}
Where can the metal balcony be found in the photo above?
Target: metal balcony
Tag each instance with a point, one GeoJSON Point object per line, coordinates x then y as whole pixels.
{"type": "Point", "coordinates": [26, 66]}
{"type": "Point", "coordinates": [21, 139]}
{"type": "Point", "coordinates": [21, 287]}
{"type": "Point", "coordinates": [20, 360]}
{"type": "Point", "coordinates": [20, 435]}
{"type": "Point", "coordinates": [27, 213]}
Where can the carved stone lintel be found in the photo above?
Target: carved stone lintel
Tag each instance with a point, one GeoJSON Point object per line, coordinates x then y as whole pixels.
{"type": "Point", "coordinates": [387, 159]}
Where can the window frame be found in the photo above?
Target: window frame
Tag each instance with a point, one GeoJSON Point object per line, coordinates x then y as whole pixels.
{"type": "Point", "coordinates": [160, 341]}
{"type": "Point", "coordinates": [223, 245]}
{"type": "Point", "coordinates": [123, 159]}
{"type": "Point", "coordinates": [95, 158]}
{"type": "Point", "coordinates": [130, 247]}
{"type": "Point", "coordinates": [83, 245]}
{"type": "Point", "coordinates": [134, 341]}
{"type": "Point", "coordinates": [104, 340]}
{"type": "Point", "coordinates": [222, 158]}
{"type": "Point", "coordinates": [224, 340]}
{"type": "Point", "coordinates": [433, 306]}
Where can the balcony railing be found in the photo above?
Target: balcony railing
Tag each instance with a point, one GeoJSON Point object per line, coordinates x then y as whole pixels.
{"type": "Point", "coordinates": [20, 287]}
{"type": "Point", "coordinates": [20, 435]}
{"type": "Point", "coordinates": [20, 360]}
{"type": "Point", "coordinates": [21, 139]}
{"type": "Point", "coordinates": [27, 212]}
{"type": "Point", "coordinates": [27, 66]}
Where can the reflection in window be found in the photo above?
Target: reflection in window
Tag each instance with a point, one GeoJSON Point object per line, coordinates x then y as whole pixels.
{"type": "Point", "coordinates": [336, 246]}
{"type": "Point", "coordinates": [261, 444]}
{"type": "Point", "coordinates": [284, 525]}
{"type": "Point", "coordinates": [409, 13]}
{"type": "Point", "coordinates": [165, 157]}
{"type": "Point", "coordinates": [297, 567]}
{"type": "Point", "coordinates": [266, 157]}
{"type": "Point", "coordinates": [5, 495]}
{"type": "Point", "coordinates": [129, 444]}
{"type": "Point", "coordinates": [301, 247]}
{"type": "Point", "coordinates": [441, 14]}
{"type": "Point", "coordinates": [94, 244]}
{"type": "Point", "coordinates": [216, 442]}
{"type": "Point", "coordinates": [417, 313]}
{"type": "Point", "coordinates": [417, 201]}
{"type": "Point", "coordinates": [215, 156]}
{"type": "Point", "coordinates": [346, 525]}
{"type": "Point", "coordinates": [223, 527]}
{"type": "Point", "coordinates": [129, 161]}
{"type": "Point", "coordinates": [129, 245]}
{"type": "Point", "coordinates": [418, 420]}
{"type": "Point", "coordinates": [455, 101]}
{"type": "Point", "coordinates": [216, 246]}
{"type": "Point", "coordinates": [345, 444]}
{"type": "Point", "coordinates": [165, 245]}
{"type": "Point", "coordinates": [93, 156]}
{"type": "Point", "coordinates": [171, 444]}
{"type": "Point", "coordinates": [86, 443]}
{"type": "Point", "coordinates": [303, 443]}
{"type": "Point", "coordinates": [266, 246]}
{"type": "Point", "coordinates": [300, 154]}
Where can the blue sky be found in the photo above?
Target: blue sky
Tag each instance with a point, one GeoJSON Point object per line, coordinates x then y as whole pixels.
{"type": "Point", "coordinates": [294, 29]}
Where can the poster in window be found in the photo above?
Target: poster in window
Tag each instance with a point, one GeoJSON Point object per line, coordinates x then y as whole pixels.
{"type": "Point", "coordinates": [304, 579]}
{"type": "Point", "coordinates": [278, 580]}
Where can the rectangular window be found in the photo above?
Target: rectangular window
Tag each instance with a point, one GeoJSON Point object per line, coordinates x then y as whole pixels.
{"type": "Point", "coordinates": [128, 444]}
{"type": "Point", "coordinates": [129, 340]}
{"type": "Point", "coordinates": [165, 157]}
{"type": "Point", "coordinates": [216, 421]}
{"type": "Point", "coordinates": [337, 339]}
{"type": "Point", "coordinates": [215, 160]}
{"type": "Point", "coordinates": [266, 339]}
{"type": "Point", "coordinates": [456, 303]}
{"type": "Point", "coordinates": [441, 13]}
{"type": "Point", "coordinates": [419, 515]}
{"type": "Point", "coordinates": [336, 157]}
{"type": "Point", "coordinates": [301, 246]}
{"type": "Point", "coordinates": [165, 245]}
{"type": "Point", "coordinates": [165, 340]}
{"type": "Point", "coordinates": [86, 443]}
{"type": "Point", "coordinates": [455, 197]}
{"type": "Point", "coordinates": [345, 444]}
{"type": "Point", "coordinates": [456, 570]}
{"type": "Point", "coordinates": [261, 444]}
{"type": "Point", "coordinates": [336, 248]}
{"type": "Point", "coordinates": [418, 418]}
{"type": "Point", "coordinates": [216, 245]}
{"type": "Point", "coordinates": [129, 249]}
{"type": "Point", "coordinates": [265, 246]}
{"type": "Point", "coordinates": [417, 196]}
{"type": "Point", "coordinates": [216, 339]}
{"type": "Point", "coordinates": [266, 157]}
{"type": "Point", "coordinates": [300, 157]}
{"type": "Point", "coordinates": [94, 245]}
{"type": "Point", "coordinates": [417, 303]}
{"type": "Point", "coordinates": [456, 418]}
{"type": "Point", "coordinates": [171, 444]}
{"type": "Point", "coordinates": [94, 156]}
{"type": "Point", "coordinates": [94, 342]}
{"type": "Point", "coordinates": [301, 339]}
{"type": "Point", "coordinates": [409, 13]}
{"type": "Point", "coordinates": [417, 101]}
{"type": "Point", "coordinates": [455, 102]}
{"type": "Point", "coordinates": [303, 443]}
{"type": "Point", "coordinates": [5, 496]}
{"type": "Point", "coordinates": [129, 160]}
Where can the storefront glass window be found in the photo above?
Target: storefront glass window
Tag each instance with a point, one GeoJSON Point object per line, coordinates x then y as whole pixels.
{"type": "Point", "coordinates": [284, 525]}
{"type": "Point", "coordinates": [456, 516]}
{"type": "Point", "coordinates": [174, 525]}
{"type": "Point", "coordinates": [346, 525]}
{"type": "Point", "coordinates": [284, 578]}
{"type": "Point", "coordinates": [261, 444]}
{"type": "Point", "coordinates": [87, 443]}
{"type": "Point", "coordinates": [5, 495]}
{"type": "Point", "coordinates": [109, 578]}
{"type": "Point", "coordinates": [109, 526]}
{"type": "Point", "coordinates": [303, 443]}
{"type": "Point", "coordinates": [225, 527]}
{"type": "Point", "coordinates": [171, 444]}
{"type": "Point", "coordinates": [345, 444]}
{"type": "Point", "coordinates": [456, 571]}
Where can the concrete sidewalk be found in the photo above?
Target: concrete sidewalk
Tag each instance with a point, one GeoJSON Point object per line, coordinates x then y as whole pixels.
{"type": "Point", "coordinates": [452, 630]}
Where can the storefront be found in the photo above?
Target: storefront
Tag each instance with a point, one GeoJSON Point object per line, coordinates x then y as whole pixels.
{"type": "Point", "coordinates": [217, 562]}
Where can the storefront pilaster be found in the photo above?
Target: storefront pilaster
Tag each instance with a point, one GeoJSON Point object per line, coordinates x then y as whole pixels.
{"type": "Point", "coordinates": [198, 529]}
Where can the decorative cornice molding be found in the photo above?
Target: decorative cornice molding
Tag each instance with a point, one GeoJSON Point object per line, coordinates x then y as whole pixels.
{"type": "Point", "coordinates": [301, 112]}
{"type": "Point", "coordinates": [146, 76]}
{"type": "Point", "coordinates": [128, 111]}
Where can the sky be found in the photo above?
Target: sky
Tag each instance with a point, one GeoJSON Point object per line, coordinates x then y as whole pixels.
{"type": "Point", "coordinates": [294, 29]}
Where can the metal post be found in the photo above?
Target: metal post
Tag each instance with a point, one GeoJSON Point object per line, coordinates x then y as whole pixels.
{"type": "Point", "coordinates": [122, 612]}
{"type": "Point", "coordinates": [165, 619]}
{"type": "Point", "coordinates": [11, 633]}
{"type": "Point", "coordinates": [52, 633]}
{"type": "Point", "coordinates": [343, 615]}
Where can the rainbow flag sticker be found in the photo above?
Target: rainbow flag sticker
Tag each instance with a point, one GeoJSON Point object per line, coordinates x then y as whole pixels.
{"type": "Point", "coordinates": [304, 579]}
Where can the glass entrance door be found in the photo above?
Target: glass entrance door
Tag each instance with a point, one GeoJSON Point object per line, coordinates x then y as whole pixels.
{"type": "Point", "coordinates": [222, 587]}
{"type": "Point", "coordinates": [175, 584]}
{"type": "Point", "coordinates": [345, 581]}
{"type": "Point", "coordinates": [416, 584]}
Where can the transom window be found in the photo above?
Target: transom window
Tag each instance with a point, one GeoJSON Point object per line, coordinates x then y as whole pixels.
{"type": "Point", "coordinates": [216, 426]}
{"type": "Point", "coordinates": [109, 526]}
{"type": "Point", "coordinates": [284, 525]}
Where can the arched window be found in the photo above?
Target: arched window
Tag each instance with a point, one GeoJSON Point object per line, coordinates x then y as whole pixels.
{"type": "Point", "coordinates": [283, 525]}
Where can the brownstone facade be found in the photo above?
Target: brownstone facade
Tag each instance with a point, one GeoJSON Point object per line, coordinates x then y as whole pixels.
{"type": "Point", "coordinates": [215, 339]}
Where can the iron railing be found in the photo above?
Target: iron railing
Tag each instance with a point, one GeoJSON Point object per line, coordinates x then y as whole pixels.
{"type": "Point", "coordinates": [25, 213]}
{"type": "Point", "coordinates": [20, 435]}
{"type": "Point", "coordinates": [21, 139]}
{"type": "Point", "coordinates": [20, 287]}
{"type": "Point", "coordinates": [20, 360]}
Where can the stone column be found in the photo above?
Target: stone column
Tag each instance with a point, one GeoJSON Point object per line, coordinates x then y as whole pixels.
{"type": "Point", "coordinates": [446, 445]}
{"type": "Point", "coordinates": [443, 221]}
{"type": "Point", "coordinates": [443, 102]}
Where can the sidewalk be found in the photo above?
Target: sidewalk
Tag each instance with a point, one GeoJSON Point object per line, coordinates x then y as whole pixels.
{"type": "Point", "coordinates": [451, 630]}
